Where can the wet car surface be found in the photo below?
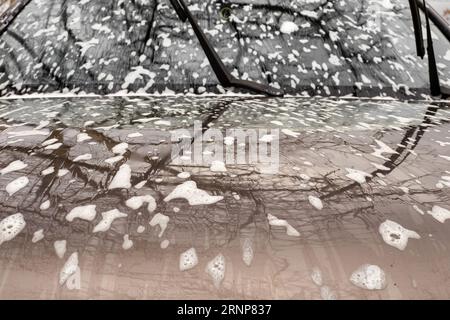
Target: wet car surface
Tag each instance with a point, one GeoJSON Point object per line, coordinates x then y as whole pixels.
{"type": "Point", "coordinates": [350, 171]}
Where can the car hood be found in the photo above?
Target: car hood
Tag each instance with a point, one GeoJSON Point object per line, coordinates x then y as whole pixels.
{"type": "Point", "coordinates": [343, 167]}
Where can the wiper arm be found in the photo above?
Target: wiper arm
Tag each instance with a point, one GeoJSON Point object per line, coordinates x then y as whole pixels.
{"type": "Point", "coordinates": [435, 87]}
{"type": "Point", "coordinates": [417, 28]}
{"type": "Point", "coordinates": [225, 78]}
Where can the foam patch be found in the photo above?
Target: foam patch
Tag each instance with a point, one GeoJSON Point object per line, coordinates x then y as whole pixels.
{"type": "Point", "coordinates": [11, 226]}
{"type": "Point", "coordinates": [440, 214]}
{"type": "Point", "coordinates": [137, 202]}
{"type": "Point", "coordinates": [44, 205]}
{"type": "Point", "coordinates": [38, 236]}
{"type": "Point", "coordinates": [161, 220]}
{"type": "Point", "coordinates": [290, 230]}
{"type": "Point", "coordinates": [395, 235]}
{"type": "Point", "coordinates": [16, 185]}
{"type": "Point", "coordinates": [69, 268]}
{"type": "Point", "coordinates": [122, 178]}
{"type": "Point", "coordinates": [127, 243]}
{"type": "Point", "coordinates": [13, 166]}
{"type": "Point", "coordinates": [83, 212]}
{"type": "Point", "coordinates": [216, 269]}
{"type": "Point", "coordinates": [189, 191]}
{"type": "Point", "coordinates": [107, 219]}
{"type": "Point", "coordinates": [369, 277]}
{"type": "Point", "coordinates": [60, 248]}
{"type": "Point", "coordinates": [315, 202]}
{"type": "Point", "coordinates": [188, 259]}
{"type": "Point", "coordinates": [247, 251]}
{"type": "Point", "coordinates": [164, 244]}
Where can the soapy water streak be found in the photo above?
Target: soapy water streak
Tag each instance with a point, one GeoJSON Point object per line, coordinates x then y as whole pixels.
{"type": "Point", "coordinates": [259, 147]}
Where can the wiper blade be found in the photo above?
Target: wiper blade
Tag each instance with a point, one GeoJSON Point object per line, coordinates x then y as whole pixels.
{"type": "Point", "coordinates": [11, 13]}
{"type": "Point", "coordinates": [435, 86]}
{"type": "Point", "coordinates": [417, 28]}
{"type": "Point", "coordinates": [225, 78]}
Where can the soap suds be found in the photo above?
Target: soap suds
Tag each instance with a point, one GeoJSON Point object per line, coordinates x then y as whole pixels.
{"type": "Point", "coordinates": [439, 213]}
{"type": "Point", "coordinates": [369, 277]}
{"type": "Point", "coordinates": [13, 166]}
{"type": "Point", "coordinates": [16, 185]}
{"type": "Point", "coordinates": [189, 191]}
{"type": "Point", "coordinates": [83, 212]}
{"type": "Point", "coordinates": [395, 235]}
{"type": "Point", "coordinates": [216, 269]}
{"type": "Point", "coordinates": [122, 178]}
{"type": "Point", "coordinates": [60, 248]}
{"type": "Point", "coordinates": [315, 202]}
{"type": "Point", "coordinates": [137, 202]}
{"type": "Point", "coordinates": [161, 220]}
{"type": "Point", "coordinates": [188, 259]}
{"type": "Point", "coordinates": [108, 218]}
{"type": "Point", "coordinates": [290, 231]}
{"type": "Point", "coordinates": [11, 226]}
{"type": "Point", "coordinates": [38, 236]}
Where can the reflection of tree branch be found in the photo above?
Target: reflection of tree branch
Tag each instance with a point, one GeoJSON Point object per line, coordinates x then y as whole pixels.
{"type": "Point", "coordinates": [402, 151]}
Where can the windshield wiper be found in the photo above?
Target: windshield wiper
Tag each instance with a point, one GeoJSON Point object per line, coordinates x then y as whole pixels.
{"type": "Point", "coordinates": [225, 78]}
{"type": "Point", "coordinates": [435, 86]}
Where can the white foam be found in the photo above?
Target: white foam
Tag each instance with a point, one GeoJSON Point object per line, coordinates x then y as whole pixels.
{"type": "Point", "coordinates": [113, 160]}
{"type": "Point", "coordinates": [135, 135]}
{"type": "Point", "coordinates": [44, 205]}
{"type": "Point", "coordinates": [217, 166]}
{"type": "Point", "coordinates": [189, 191]}
{"type": "Point", "coordinates": [120, 148]}
{"type": "Point", "coordinates": [370, 277]}
{"type": "Point", "coordinates": [288, 27]}
{"type": "Point", "coordinates": [216, 269]}
{"type": "Point", "coordinates": [107, 219]}
{"type": "Point", "coordinates": [122, 178]}
{"type": "Point", "coordinates": [127, 243]}
{"type": "Point", "coordinates": [161, 220]}
{"type": "Point", "coordinates": [184, 175]}
{"type": "Point", "coordinates": [48, 171]}
{"type": "Point", "coordinates": [38, 236]}
{"type": "Point", "coordinates": [164, 244]}
{"type": "Point", "coordinates": [439, 213]}
{"type": "Point", "coordinates": [315, 202]}
{"type": "Point", "coordinates": [140, 184]}
{"type": "Point", "coordinates": [188, 259]}
{"type": "Point", "coordinates": [83, 212]}
{"type": "Point", "coordinates": [11, 226]}
{"type": "Point", "coordinates": [83, 157]}
{"type": "Point", "coordinates": [13, 166]}
{"type": "Point", "coordinates": [357, 175]}
{"type": "Point", "coordinates": [16, 185]}
{"type": "Point", "coordinates": [137, 202]}
{"type": "Point", "coordinates": [69, 268]}
{"type": "Point", "coordinates": [395, 235]}
{"type": "Point", "coordinates": [83, 137]}
{"type": "Point", "coordinates": [290, 231]}
{"type": "Point", "coordinates": [247, 251]}
{"type": "Point", "coordinates": [62, 172]}
{"type": "Point", "coordinates": [60, 248]}
{"type": "Point", "coordinates": [53, 146]}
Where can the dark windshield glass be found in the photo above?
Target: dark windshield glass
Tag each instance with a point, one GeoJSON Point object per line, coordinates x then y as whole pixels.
{"type": "Point", "coordinates": [315, 47]}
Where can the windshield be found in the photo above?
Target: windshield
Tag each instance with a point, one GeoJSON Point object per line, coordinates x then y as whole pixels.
{"type": "Point", "coordinates": [363, 48]}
